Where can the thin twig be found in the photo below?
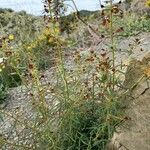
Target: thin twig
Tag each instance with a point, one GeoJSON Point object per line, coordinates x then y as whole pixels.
{"type": "Point", "coordinates": [79, 17]}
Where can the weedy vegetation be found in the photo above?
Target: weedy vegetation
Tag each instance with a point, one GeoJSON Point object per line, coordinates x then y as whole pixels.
{"type": "Point", "coordinates": [79, 105]}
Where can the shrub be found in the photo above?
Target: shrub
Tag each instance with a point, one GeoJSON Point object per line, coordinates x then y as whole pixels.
{"type": "Point", "coordinates": [82, 107]}
{"type": "Point", "coordinates": [10, 77]}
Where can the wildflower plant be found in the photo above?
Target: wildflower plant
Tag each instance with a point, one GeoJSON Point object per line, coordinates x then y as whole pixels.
{"type": "Point", "coordinates": [147, 3]}
{"type": "Point", "coordinates": [83, 111]}
{"type": "Point", "coordinates": [78, 107]}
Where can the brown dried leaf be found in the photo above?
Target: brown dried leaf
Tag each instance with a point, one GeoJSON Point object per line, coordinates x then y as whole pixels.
{"type": "Point", "coordinates": [147, 72]}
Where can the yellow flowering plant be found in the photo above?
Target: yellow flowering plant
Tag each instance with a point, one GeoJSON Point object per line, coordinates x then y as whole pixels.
{"type": "Point", "coordinates": [147, 72]}
{"type": "Point", "coordinates": [11, 37]}
{"type": "Point", "coordinates": [148, 3]}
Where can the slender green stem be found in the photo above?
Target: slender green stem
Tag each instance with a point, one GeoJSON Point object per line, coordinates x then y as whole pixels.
{"type": "Point", "coordinates": [63, 75]}
{"type": "Point", "coordinates": [112, 42]}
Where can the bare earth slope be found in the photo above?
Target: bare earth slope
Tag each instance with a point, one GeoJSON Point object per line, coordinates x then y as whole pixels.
{"type": "Point", "coordinates": [134, 134]}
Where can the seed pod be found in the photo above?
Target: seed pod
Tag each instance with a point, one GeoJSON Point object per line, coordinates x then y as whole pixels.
{"type": "Point", "coordinates": [119, 2]}
{"type": "Point", "coordinates": [103, 54]}
{"type": "Point", "coordinates": [46, 10]}
{"type": "Point", "coordinates": [120, 30]}
{"type": "Point", "coordinates": [102, 13]}
{"type": "Point", "coordinates": [8, 53]}
{"type": "Point", "coordinates": [105, 21]}
{"type": "Point", "coordinates": [115, 9]}
{"type": "Point", "coordinates": [31, 66]}
{"type": "Point", "coordinates": [102, 6]}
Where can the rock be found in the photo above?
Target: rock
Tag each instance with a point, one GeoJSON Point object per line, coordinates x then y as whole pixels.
{"type": "Point", "coordinates": [135, 6]}
{"type": "Point", "coordinates": [139, 7]}
{"type": "Point", "coordinates": [125, 6]}
{"type": "Point", "coordinates": [133, 134]}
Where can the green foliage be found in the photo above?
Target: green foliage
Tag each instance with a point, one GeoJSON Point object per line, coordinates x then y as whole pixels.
{"type": "Point", "coordinates": [4, 10]}
{"type": "Point", "coordinates": [128, 1]}
{"type": "Point", "coordinates": [10, 77]}
{"type": "Point", "coordinates": [21, 25]}
{"type": "Point", "coordinates": [133, 24]}
{"type": "Point", "coordinates": [147, 3]}
{"type": "Point", "coordinates": [3, 93]}
{"type": "Point", "coordinates": [87, 126]}
{"type": "Point", "coordinates": [84, 104]}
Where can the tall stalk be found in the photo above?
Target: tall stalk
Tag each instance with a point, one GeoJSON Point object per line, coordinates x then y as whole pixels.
{"type": "Point", "coordinates": [112, 42]}
{"type": "Point", "coordinates": [63, 76]}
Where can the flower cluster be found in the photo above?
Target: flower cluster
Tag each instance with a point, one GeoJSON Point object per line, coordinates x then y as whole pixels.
{"type": "Point", "coordinates": [6, 49]}
{"type": "Point", "coordinates": [147, 3]}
